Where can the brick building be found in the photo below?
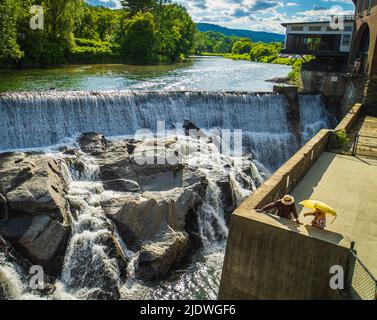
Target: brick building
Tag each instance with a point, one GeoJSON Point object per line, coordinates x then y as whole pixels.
{"type": "Point", "coordinates": [364, 46]}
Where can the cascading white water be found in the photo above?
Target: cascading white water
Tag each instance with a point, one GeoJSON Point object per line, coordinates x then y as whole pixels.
{"type": "Point", "coordinates": [13, 281]}
{"type": "Point", "coordinates": [200, 280]}
{"type": "Point", "coordinates": [88, 268]}
{"type": "Point", "coordinates": [11, 285]}
{"type": "Point", "coordinates": [34, 120]}
{"type": "Point", "coordinates": [313, 116]}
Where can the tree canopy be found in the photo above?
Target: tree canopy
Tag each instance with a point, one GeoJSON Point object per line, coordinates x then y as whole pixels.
{"type": "Point", "coordinates": [144, 31]}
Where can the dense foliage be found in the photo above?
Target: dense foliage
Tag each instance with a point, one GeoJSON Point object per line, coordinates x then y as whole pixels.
{"type": "Point", "coordinates": [213, 42]}
{"type": "Point", "coordinates": [144, 31]}
{"type": "Point", "coordinates": [140, 38]}
{"type": "Point", "coordinates": [9, 48]}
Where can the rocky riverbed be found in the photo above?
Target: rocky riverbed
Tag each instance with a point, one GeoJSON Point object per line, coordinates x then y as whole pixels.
{"type": "Point", "coordinates": [100, 212]}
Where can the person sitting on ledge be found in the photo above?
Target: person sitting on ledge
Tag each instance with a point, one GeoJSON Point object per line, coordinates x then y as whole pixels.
{"type": "Point", "coordinates": [319, 220]}
{"type": "Point", "coordinates": [285, 207]}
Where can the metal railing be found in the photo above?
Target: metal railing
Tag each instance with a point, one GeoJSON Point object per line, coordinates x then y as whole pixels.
{"type": "Point", "coordinates": [353, 144]}
{"type": "Point", "coordinates": [365, 146]}
{"type": "Point", "coordinates": [362, 285]}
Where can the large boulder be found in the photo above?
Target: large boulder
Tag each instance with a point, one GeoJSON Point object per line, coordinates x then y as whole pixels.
{"type": "Point", "coordinates": [93, 143]}
{"type": "Point", "coordinates": [157, 258]}
{"type": "Point", "coordinates": [155, 225]}
{"type": "Point", "coordinates": [35, 187]}
{"type": "Point", "coordinates": [149, 216]}
{"type": "Point", "coordinates": [40, 239]}
{"type": "Point", "coordinates": [34, 184]}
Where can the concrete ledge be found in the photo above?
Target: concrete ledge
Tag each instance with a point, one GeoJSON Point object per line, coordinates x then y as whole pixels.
{"type": "Point", "coordinates": [266, 260]}
{"type": "Point", "coordinates": [350, 119]}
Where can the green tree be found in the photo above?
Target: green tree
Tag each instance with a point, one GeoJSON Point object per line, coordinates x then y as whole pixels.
{"type": "Point", "coordinates": [176, 31]}
{"type": "Point", "coordinates": [140, 39]}
{"type": "Point", "coordinates": [136, 6]}
{"type": "Point", "coordinates": [10, 51]}
{"type": "Point", "coordinates": [213, 42]}
{"type": "Point", "coordinates": [86, 24]}
{"type": "Point", "coordinates": [60, 16]}
{"type": "Point", "coordinates": [242, 46]}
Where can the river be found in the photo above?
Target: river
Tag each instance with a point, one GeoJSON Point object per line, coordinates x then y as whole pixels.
{"type": "Point", "coordinates": [197, 73]}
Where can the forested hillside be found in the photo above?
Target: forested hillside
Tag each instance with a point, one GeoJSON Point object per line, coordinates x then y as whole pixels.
{"type": "Point", "coordinates": [256, 36]}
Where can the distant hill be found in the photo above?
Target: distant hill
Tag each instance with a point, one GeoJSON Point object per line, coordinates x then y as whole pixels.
{"type": "Point", "coordinates": [255, 36]}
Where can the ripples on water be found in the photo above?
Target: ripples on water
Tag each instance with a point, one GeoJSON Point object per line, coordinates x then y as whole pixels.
{"type": "Point", "coordinates": [197, 73]}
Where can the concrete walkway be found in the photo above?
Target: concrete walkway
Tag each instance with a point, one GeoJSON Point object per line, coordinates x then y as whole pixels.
{"type": "Point", "coordinates": [368, 138]}
{"type": "Point", "coordinates": [349, 185]}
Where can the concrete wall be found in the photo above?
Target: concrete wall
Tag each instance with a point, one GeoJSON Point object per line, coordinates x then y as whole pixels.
{"type": "Point", "coordinates": [327, 83]}
{"type": "Point", "coordinates": [272, 258]}
{"type": "Point", "coordinates": [341, 92]}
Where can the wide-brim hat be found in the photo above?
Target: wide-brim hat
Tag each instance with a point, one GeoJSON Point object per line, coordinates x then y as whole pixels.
{"type": "Point", "coordinates": [288, 200]}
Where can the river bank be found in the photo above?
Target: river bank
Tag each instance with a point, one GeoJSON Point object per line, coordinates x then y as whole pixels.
{"type": "Point", "coordinates": [290, 79]}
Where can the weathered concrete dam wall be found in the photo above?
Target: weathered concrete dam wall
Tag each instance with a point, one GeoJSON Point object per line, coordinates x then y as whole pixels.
{"type": "Point", "coordinates": [272, 258]}
{"type": "Point", "coordinates": [341, 91]}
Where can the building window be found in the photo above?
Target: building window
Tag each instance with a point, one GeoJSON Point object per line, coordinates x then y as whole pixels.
{"type": "Point", "coordinates": [346, 40]}
{"type": "Point", "coordinates": [297, 28]}
{"type": "Point", "coordinates": [315, 28]}
{"type": "Point", "coordinates": [348, 28]}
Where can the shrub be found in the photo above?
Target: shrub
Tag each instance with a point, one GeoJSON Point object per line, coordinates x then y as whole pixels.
{"type": "Point", "coordinates": [93, 51]}
{"type": "Point", "coordinates": [342, 138]}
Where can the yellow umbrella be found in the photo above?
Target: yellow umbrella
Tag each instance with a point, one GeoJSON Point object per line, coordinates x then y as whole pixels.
{"type": "Point", "coordinates": [315, 204]}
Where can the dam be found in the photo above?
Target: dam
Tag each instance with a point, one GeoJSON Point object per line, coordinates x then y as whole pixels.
{"type": "Point", "coordinates": [57, 136]}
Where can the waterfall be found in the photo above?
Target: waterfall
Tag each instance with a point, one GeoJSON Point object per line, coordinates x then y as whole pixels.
{"type": "Point", "coordinates": [11, 284]}
{"type": "Point", "coordinates": [90, 271]}
{"type": "Point", "coordinates": [35, 120]}
{"type": "Point", "coordinates": [313, 116]}
{"type": "Point", "coordinates": [14, 281]}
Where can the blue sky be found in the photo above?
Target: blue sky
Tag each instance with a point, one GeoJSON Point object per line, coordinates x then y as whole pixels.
{"type": "Point", "coordinates": [262, 15]}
